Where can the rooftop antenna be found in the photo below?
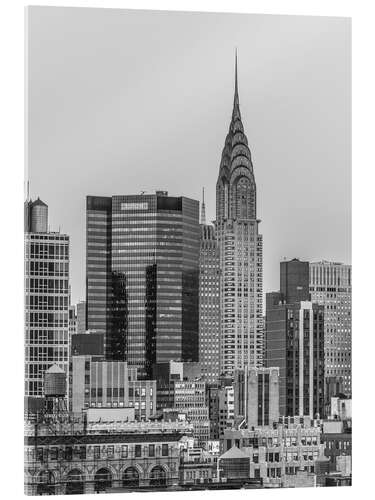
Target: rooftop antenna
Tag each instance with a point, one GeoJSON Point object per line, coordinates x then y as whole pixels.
{"type": "Point", "coordinates": [203, 209]}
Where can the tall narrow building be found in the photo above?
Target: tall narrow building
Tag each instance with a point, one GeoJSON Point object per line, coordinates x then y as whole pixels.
{"type": "Point", "coordinates": [241, 251]}
{"type": "Point", "coordinates": [209, 303]}
{"type": "Point", "coordinates": [331, 286]}
{"type": "Point", "coordinates": [142, 277]}
{"type": "Point", "coordinates": [46, 299]}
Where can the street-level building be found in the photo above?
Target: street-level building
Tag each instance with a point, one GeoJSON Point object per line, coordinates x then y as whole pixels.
{"type": "Point", "coordinates": [66, 459]}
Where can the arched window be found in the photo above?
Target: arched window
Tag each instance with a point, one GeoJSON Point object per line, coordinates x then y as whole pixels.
{"type": "Point", "coordinates": [74, 483]}
{"type": "Point", "coordinates": [130, 478]}
{"type": "Point", "coordinates": [158, 477]}
{"type": "Point", "coordinates": [45, 483]}
{"type": "Point", "coordinates": [103, 480]}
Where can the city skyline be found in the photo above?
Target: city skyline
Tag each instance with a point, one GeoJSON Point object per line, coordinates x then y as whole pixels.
{"type": "Point", "coordinates": [325, 160]}
{"type": "Point", "coordinates": [169, 370]}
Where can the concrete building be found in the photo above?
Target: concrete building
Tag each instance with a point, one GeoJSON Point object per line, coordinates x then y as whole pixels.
{"type": "Point", "coordinates": [68, 459]}
{"type": "Point", "coordinates": [226, 408]}
{"type": "Point", "coordinates": [108, 384]}
{"type": "Point", "coordinates": [209, 302]}
{"type": "Point", "coordinates": [337, 437]}
{"type": "Point", "coordinates": [190, 398]}
{"type": "Point", "coordinates": [46, 299]}
{"type": "Point", "coordinates": [256, 396]}
{"type": "Point", "coordinates": [197, 467]}
{"type": "Point", "coordinates": [142, 277]}
{"type": "Point", "coordinates": [331, 286]}
{"type": "Point", "coordinates": [274, 453]}
{"type": "Point", "coordinates": [241, 252]}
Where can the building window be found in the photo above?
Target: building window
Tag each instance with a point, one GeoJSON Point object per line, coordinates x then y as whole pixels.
{"type": "Point", "coordinates": [124, 451]}
{"type": "Point", "coordinates": [110, 451]}
{"type": "Point", "coordinates": [96, 452]}
{"type": "Point", "coordinates": [151, 450]}
{"type": "Point", "coordinates": [164, 450]}
{"type": "Point", "coordinates": [138, 450]}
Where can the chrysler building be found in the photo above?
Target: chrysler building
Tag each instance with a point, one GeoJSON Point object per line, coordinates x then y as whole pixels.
{"type": "Point", "coordinates": [241, 252]}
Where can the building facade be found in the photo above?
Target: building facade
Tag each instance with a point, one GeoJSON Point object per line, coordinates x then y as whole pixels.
{"type": "Point", "coordinates": [190, 398]}
{"type": "Point", "coordinates": [226, 408]}
{"type": "Point", "coordinates": [69, 460]}
{"type": "Point", "coordinates": [274, 453]}
{"type": "Point", "coordinates": [209, 305]}
{"type": "Point", "coordinates": [295, 344]}
{"type": "Point", "coordinates": [331, 286]}
{"type": "Point", "coordinates": [109, 384]}
{"type": "Point", "coordinates": [241, 252]}
{"type": "Point", "coordinates": [143, 277]}
{"type": "Point", "coordinates": [256, 396]}
{"type": "Point", "coordinates": [46, 299]}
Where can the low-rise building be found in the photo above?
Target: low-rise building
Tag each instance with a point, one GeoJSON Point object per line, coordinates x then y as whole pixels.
{"type": "Point", "coordinates": [110, 384]}
{"type": "Point", "coordinates": [292, 445]}
{"type": "Point", "coordinates": [65, 458]}
{"type": "Point", "coordinates": [197, 466]}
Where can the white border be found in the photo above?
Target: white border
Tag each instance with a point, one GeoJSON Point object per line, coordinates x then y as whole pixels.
{"type": "Point", "coordinates": [12, 149]}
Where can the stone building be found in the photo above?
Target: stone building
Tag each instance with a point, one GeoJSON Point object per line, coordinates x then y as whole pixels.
{"type": "Point", "coordinates": [295, 444]}
{"type": "Point", "coordinates": [68, 458]}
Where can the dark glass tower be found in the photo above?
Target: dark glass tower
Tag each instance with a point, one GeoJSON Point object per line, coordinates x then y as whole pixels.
{"type": "Point", "coordinates": [294, 280]}
{"type": "Point", "coordinates": [144, 293]}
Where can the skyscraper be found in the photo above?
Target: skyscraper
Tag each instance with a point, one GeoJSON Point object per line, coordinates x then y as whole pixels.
{"type": "Point", "coordinates": [331, 286]}
{"type": "Point", "coordinates": [241, 252]}
{"type": "Point", "coordinates": [46, 298]}
{"type": "Point", "coordinates": [209, 303]}
{"type": "Point", "coordinates": [295, 344]}
{"type": "Point", "coordinates": [142, 277]}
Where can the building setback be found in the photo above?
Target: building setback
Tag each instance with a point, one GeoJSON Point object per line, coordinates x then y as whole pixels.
{"type": "Point", "coordinates": [142, 277]}
{"type": "Point", "coordinates": [46, 298]}
{"type": "Point", "coordinates": [331, 286]}
{"type": "Point", "coordinates": [241, 252]}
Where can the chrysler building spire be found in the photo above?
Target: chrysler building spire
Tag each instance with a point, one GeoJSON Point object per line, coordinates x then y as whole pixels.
{"type": "Point", "coordinates": [240, 251]}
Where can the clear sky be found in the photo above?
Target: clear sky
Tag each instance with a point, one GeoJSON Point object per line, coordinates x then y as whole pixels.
{"type": "Point", "coordinates": [126, 101]}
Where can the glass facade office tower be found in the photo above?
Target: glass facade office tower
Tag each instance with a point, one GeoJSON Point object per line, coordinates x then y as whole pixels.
{"type": "Point", "coordinates": [209, 305]}
{"type": "Point", "coordinates": [142, 277]}
{"type": "Point", "coordinates": [241, 252]}
{"type": "Point", "coordinates": [331, 286]}
{"type": "Point", "coordinates": [46, 298]}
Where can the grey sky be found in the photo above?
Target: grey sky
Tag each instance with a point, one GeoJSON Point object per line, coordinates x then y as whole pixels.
{"type": "Point", "coordinates": [122, 101]}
